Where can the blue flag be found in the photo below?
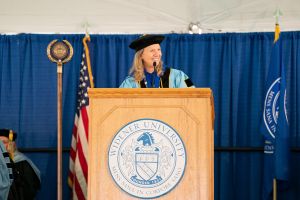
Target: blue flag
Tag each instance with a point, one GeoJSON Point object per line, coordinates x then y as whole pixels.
{"type": "Point", "coordinates": [274, 125]}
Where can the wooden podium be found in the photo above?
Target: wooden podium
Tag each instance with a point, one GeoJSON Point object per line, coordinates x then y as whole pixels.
{"type": "Point", "coordinates": [189, 112]}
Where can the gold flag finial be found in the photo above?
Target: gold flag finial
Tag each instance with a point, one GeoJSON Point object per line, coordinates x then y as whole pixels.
{"type": "Point", "coordinates": [277, 15]}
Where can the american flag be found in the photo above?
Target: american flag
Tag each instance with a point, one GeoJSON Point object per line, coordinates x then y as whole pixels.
{"type": "Point", "coordinates": [78, 174]}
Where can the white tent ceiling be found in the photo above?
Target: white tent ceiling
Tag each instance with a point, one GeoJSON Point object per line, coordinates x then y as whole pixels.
{"type": "Point", "coordinates": [145, 16]}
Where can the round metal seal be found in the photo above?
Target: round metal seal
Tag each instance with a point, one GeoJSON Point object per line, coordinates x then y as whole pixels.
{"type": "Point", "coordinates": [60, 51]}
{"type": "Point", "coordinates": [147, 158]}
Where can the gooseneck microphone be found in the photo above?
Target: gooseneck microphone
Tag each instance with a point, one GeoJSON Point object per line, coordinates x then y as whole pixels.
{"type": "Point", "coordinates": [155, 74]}
{"type": "Point", "coordinates": [154, 65]}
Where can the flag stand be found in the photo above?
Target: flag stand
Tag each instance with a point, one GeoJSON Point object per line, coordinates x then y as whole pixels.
{"type": "Point", "coordinates": [59, 52]}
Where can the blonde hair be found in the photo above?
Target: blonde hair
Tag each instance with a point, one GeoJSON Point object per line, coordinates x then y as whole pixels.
{"type": "Point", "coordinates": [137, 68]}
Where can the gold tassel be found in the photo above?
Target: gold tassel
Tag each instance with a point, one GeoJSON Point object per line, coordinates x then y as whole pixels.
{"type": "Point", "coordinates": [10, 147]}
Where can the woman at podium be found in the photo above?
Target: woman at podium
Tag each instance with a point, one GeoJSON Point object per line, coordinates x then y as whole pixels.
{"type": "Point", "coordinates": [147, 70]}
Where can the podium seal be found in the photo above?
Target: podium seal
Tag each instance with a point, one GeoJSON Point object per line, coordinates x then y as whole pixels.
{"type": "Point", "coordinates": [147, 158]}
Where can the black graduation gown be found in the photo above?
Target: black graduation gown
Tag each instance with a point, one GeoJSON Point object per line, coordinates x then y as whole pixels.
{"type": "Point", "coordinates": [25, 184]}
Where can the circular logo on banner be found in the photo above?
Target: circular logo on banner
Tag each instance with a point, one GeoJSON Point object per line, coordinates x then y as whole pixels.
{"type": "Point", "coordinates": [147, 158]}
{"type": "Point", "coordinates": [271, 107]}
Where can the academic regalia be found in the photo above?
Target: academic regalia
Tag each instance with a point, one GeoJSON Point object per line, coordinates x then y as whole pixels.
{"type": "Point", "coordinates": [146, 40]}
{"type": "Point", "coordinates": [24, 175]}
{"type": "Point", "coordinates": [171, 78]}
{"type": "Point", "coordinates": [5, 181]}
{"type": "Point", "coordinates": [13, 191]}
{"type": "Point", "coordinates": [27, 176]}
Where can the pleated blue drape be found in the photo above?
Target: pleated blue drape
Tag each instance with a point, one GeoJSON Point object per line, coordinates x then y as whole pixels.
{"type": "Point", "coordinates": [234, 65]}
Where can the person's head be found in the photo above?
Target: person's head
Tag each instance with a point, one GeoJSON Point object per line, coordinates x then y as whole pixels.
{"type": "Point", "coordinates": [8, 138]}
{"type": "Point", "coordinates": [148, 53]}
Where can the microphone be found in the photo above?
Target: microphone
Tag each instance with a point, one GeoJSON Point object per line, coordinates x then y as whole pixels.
{"type": "Point", "coordinates": [154, 64]}
{"type": "Point", "coordinates": [155, 74]}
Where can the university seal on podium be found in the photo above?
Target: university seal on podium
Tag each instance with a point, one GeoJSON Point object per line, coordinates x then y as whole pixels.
{"type": "Point", "coordinates": [147, 158]}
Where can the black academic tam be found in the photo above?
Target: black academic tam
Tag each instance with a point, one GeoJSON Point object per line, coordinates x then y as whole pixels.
{"type": "Point", "coordinates": [146, 40]}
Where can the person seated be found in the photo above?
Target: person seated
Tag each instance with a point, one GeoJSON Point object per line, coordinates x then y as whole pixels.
{"type": "Point", "coordinates": [5, 172]}
{"type": "Point", "coordinates": [26, 175]}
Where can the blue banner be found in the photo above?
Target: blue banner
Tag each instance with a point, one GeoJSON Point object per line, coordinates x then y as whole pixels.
{"type": "Point", "coordinates": [275, 123]}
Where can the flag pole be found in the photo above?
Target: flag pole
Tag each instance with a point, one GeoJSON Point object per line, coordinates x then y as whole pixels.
{"type": "Point", "coordinates": [274, 189]}
{"type": "Point", "coordinates": [277, 14]}
{"type": "Point", "coordinates": [59, 130]}
{"type": "Point", "coordinates": [59, 52]}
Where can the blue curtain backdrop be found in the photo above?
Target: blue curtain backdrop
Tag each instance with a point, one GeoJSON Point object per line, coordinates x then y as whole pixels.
{"type": "Point", "coordinates": [234, 65]}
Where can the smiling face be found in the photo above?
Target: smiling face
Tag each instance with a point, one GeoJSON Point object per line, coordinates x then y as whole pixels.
{"type": "Point", "coordinates": [151, 54]}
